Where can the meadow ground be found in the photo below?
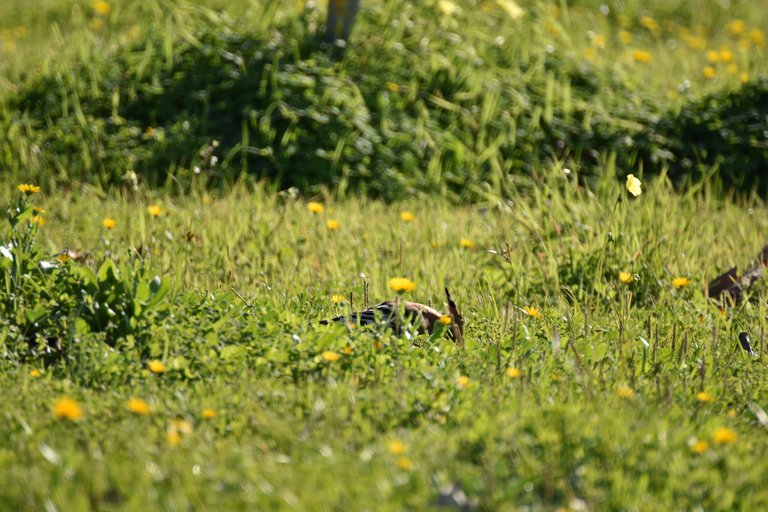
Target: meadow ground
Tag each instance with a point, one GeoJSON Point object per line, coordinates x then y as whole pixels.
{"type": "Point", "coordinates": [163, 349]}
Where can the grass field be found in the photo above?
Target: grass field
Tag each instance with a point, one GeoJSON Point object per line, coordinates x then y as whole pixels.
{"type": "Point", "coordinates": [172, 357]}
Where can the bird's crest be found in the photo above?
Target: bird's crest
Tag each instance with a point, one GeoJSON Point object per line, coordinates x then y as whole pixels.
{"type": "Point", "coordinates": [457, 326]}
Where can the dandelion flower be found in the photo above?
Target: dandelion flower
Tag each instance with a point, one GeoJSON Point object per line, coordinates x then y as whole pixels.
{"type": "Point", "coordinates": [35, 373]}
{"type": "Point", "coordinates": [330, 357]}
{"type": "Point", "coordinates": [393, 87]}
{"type": "Point", "coordinates": [736, 27]}
{"type": "Point", "coordinates": [337, 299]}
{"type": "Point", "coordinates": [634, 185]}
{"type": "Point", "coordinates": [109, 223]}
{"type": "Point", "coordinates": [407, 216]}
{"type": "Point", "coordinates": [348, 350]}
{"type": "Point", "coordinates": [67, 409]}
{"type": "Point", "coordinates": [445, 320]}
{"type": "Point", "coordinates": [137, 406]}
{"type": "Point", "coordinates": [332, 225]}
{"type": "Point", "coordinates": [396, 447]}
{"type": "Point", "coordinates": [724, 435]}
{"type": "Point", "coordinates": [401, 284]}
{"type": "Point", "coordinates": [181, 426]}
{"type": "Point", "coordinates": [37, 219]}
{"type": "Point", "coordinates": [462, 381]}
{"type": "Point", "coordinates": [101, 8]}
{"type": "Point", "coordinates": [208, 413]}
{"type": "Point", "coordinates": [625, 37]}
{"type": "Point", "coordinates": [173, 437]}
{"type": "Point", "coordinates": [700, 447]}
{"type": "Point", "coordinates": [726, 55]}
{"type": "Point", "coordinates": [26, 188]}
{"type": "Point", "coordinates": [315, 207]}
{"type": "Point", "coordinates": [757, 37]}
{"type": "Point", "coordinates": [703, 396]}
{"type": "Point", "coordinates": [532, 311]}
{"type": "Point", "coordinates": [681, 282]}
{"type": "Point", "coordinates": [642, 56]}
{"type": "Point", "coordinates": [626, 277]}
{"type": "Point", "coordinates": [743, 77]}
{"type": "Point", "coordinates": [713, 56]}
{"type": "Point", "coordinates": [709, 72]}
{"type": "Point", "coordinates": [625, 392]}
{"type": "Point", "coordinates": [154, 210]}
{"type": "Point", "coordinates": [465, 243]}
{"type": "Point", "coordinates": [514, 373]}
{"type": "Point", "coordinates": [156, 366]}
{"type": "Point", "coordinates": [404, 463]}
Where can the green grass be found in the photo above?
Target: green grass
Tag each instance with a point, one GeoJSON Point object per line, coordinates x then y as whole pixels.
{"type": "Point", "coordinates": [295, 431]}
{"type": "Point", "coordinates": [595, 404]}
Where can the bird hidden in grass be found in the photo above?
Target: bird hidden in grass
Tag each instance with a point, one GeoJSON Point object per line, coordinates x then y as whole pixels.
{"type": "Point", "coordinates": [425, 318]}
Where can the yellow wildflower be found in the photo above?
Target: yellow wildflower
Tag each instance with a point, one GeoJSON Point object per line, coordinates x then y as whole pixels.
{"type": "Point", "coordinates": [514, 373]}
{"type": "Point", "coordinates": [337, 299]}
{"type": "Point", "coordinates": [732, 69]}
{"type": "Point", "coordinates": [731, 413]}
{"type": "Point", "coordinates": [634, 185]}
{"type": "Point", "coordinates": [681, 282]}
{"type": "Point", "coordinates": [743, 77]}
{"type": "Point", "coordinates": [401, 284]}
{"type": "Point", "coordinates": [156, 366]}
{"type": "Point", "coordinates": [626, 277]}
{"type": "Point", "coordinates": [37, 219]}
{"type": "Point", "coordinates": [154, 210]}
{"type": "Point", "coordinates": [396, 447]}
{"type": "Point", "coordinates": [404, 463]}
{"type": "Point", "coordinates": [703, 396]}
{"type": "Point", "coordinates": [332, 225]}
{"type": "Point", "coordinates": [445, 319]}
{"type": "Point", "coordinates": [407, 216]}
{"type": "Point", "coordinates": [724, 435]}
{"type": "Point", "coordinates": [650, 24]}
{"type": "Point", "coordinates": [137, 406]}
{"type": "Point", "coordinates": [625, 392]}
{"type": "Point", "coordinates": [330, 357]}
{"type": "Point", "coordinates": [757, 37]}
{"type": "Point", "coordinates": [173, 437]}
{"type": "Point", "coordinates": [181, 426]}
{"type": "Point", "coordinates": [462, 381]}
{"type": "Point", "coordinates": [533, 311]}
{"type": "Point", "coordinates": [208, 413]}
{"type": "Point", "coordinates": [101, 8]}
{"type": "Point", "coordinates": [642, 56]}
{"type": "Point", "coordinates": [392, 86]}
{"type": "Point", "coordinates": [35, 373]}
{"type": "Point", "coordinates": [726, 55]}
{"type": "Point", "coordinates": [709, 72]}
{"type": "Point", "coordinates": [109, 223]}
{"type": "Point", "coordinates": [713, 56]}
{"type": "Point", "coordinates": [736, 27]}
{"type": "Point", "coordinates": [625, 36]}
{"type": "Point", "coordinates": [26, 188]}
{"type": "Point", "coordinates": [466, 243]}
{"type": "Point", "coordinates": [315, 207]}
{"type": "Point", "coordinates": [348, 350]}
{"type": "Point", "coordinates": [66, 408]}
{"type": "Point", "coordinates": [700, 447]}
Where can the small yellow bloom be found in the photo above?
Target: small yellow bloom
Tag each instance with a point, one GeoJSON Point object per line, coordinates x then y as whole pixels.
{"type": "Point", "coordinates": [66, 408]}
{"type": "Point", "coordinates": [397, 447]}
{"type": "Point", "coordinates": [732, 69]}
{"type": "Point", "coordinates": [156, 366]}
{"type": "Point", "coordinates": [626, 277]}
{"type": "Point", "coordinates": [404, 463]}
{"type": "Point", "coordinates": [700, 447]}
{"type": "Point", "coordinates": [138, 406]}
{"type": "Point", "coordinates": [713, 56]}
{"type": "Point", "coordinates": [466, 243]}
{"type": "Point", "coordinates": [154, 210]}
{"type": "Point", "coordinates": [642, 56]}
{"type": "Point", "coordinates": [315, 207]}
{"type": "Point", "coordinates": [514, 373]}
{"type": "Point", "coordinates": [726, 55]}
{"type": "Point", "coordinates": [634, 186]}
{"type": "Point", "coordinates": [407, 216]}
{"type": "Point", "coordinates": [208, 413]}
{"type": "Point", "coordinates": [35, 373]}
{"type": "Point", "coordinates": [533, 311]}
{"type": "Point", "coordinates": [462, 381]}
{"type": "Point", "coordinates": [447, 7]}
{"type": "Point", "coordinates": [625, 392]}
{"type": "Point", "coordinates": [401, 284]}
{"type": "Point", "coordinates": [731, 413]}
{"type": "Point", "coordinates": [173, 437]}
{"type": "Point", "coordinates": [445, 319]}
{"type": "Point", "coordinates": [181, 426]}
{"type": "Point", "coordinates": [101, 7]}
{"type": "Point", "coordinates": [330, 357]}
{"type": "Point", "coordinates": [703, 396]}
{"type": "Point", "coordinates": [736, 27]}
{"type": "Point", "coordinates": [37, 219]}
{"type": "Point", "coordinates": [392, 86]}
{"type": "Point", "coordinates": [332, 225]}
{"type": "Point", "coordinates": [743, 77]}
{"type": "Point", "coordinates": [724, 435]}
{"type": "Point", "coordinates": [757, 37]}
{"type": "Point", "coordinates": [650, 24]}
{"type": "Point", "coordinates": [681, 282]}
{"type": "Point", "coordinates": [709, 72]}
{"type": "Point", "coordinates": [348, 350]}
{"type": "Point", "coordinates": [337, 299]}
{"type": "Point", "coordinates": [625, 36]}
{"type": "Point", "coordinates": [26, 188]}
{"type": "Point", "coordinates": [109, 223]}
